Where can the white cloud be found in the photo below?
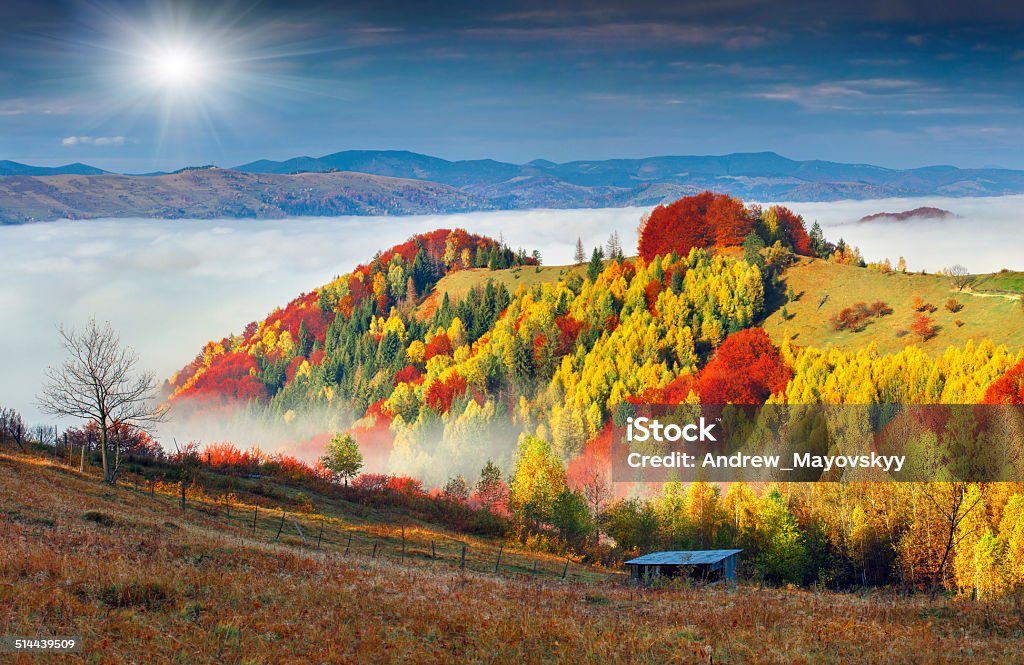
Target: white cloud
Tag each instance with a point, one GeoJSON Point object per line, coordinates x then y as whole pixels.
{"type": "Point", "coordinates": [71, 141]}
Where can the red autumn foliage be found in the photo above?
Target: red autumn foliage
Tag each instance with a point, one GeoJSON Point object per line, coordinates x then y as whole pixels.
{"type": "Point", "coordinates": [371, 482]}
{"type": "Point", "coordinates": [678, 227]}
{"type": "Point", "coordinates": [793, 226]}
{"type": "Point", "coordinates": [408, 375]}
{"type": "Point", "coordinates": [293, 366]}
{"type": "Point", "coordinates": [228, 380]}
{"type": "Point", "coordinates": [227, 456]}
{"type": "Point", "coordinates": [746, 369]}
{"type": "Point", "coordinates": [708, 219]}
{"type": "Point", "coordinates": [675, 392]}
{"type": "Point", "coordinates": [303, 312]}
{"type": "Point", "coordinates": [651, 292]}
{"type": "Point", "coordinates": [924, 327]}
{"type": "Point", "coordinates": [1007, 389]}
{"type": "Point", "coordinates": [441, 345]}
{"type": "Point", "coordinates": [728, 220]}
{"type": "Point", "coordinates": [569, 330]}
{"type": "Point", "coordinates": [441, 394]}
{"type": "Point", "coordinates": [405, 485]}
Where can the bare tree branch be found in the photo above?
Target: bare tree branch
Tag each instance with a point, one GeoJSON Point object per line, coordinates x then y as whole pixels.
{"type": "Point", "coordinates": [98, 382]}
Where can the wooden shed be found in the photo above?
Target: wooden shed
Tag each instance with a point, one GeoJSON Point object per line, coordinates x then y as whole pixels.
{"type": "Point", "coordinates": [703, 565]}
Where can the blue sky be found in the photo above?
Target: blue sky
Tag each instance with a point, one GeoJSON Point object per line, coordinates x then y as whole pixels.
{"type": "Point", "coordinates": [894, 83]}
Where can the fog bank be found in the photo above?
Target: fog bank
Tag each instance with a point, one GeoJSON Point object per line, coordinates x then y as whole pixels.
{"type": "Point", "coordinates": [169, 286]}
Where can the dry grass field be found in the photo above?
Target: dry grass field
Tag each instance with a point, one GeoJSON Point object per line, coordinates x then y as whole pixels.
{"type": "Point", "coordinates": [142, 583]}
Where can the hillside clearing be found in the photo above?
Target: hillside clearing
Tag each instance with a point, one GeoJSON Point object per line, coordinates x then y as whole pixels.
{"type": "Point", "coordinates": [1000, 320]}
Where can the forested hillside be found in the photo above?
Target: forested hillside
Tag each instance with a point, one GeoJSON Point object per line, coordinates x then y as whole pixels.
{"type": "Point", "coordinates": [439, 371]}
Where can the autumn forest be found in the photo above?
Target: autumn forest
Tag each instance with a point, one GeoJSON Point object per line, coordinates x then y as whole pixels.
{"type": "Point", "coordinates": [499, 395]}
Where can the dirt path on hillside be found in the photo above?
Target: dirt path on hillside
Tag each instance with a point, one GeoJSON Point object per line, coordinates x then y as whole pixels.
{"type": "Point", "coordinates": [981, 294]}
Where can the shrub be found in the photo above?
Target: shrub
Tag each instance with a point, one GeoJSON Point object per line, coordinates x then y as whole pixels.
{"type": "Point", "coordinates": [954, 305]}
{"type": "Point", "coordinates": [856, 318]}
{"type": "Point", "coordinates": [99, 517]}
{"type": "Point", "coordinates": [924, 327]}
{"type": "Point", "coordinates": [371, 482]}
{"type": "Point", "coordinates": [958, 323]}
{"type": "Point", "coordinates": [880, 308]}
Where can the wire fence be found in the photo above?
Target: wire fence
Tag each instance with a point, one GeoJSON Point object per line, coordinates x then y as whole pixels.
{"type": "Point", "coordinates": [411, 545]}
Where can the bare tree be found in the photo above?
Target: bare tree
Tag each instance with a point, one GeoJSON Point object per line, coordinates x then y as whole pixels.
{"type": "Point", "coordinates": [953, 503]}
{"type": "Point", "coordinates": [959, 276]}
{"type": "Point", "coordinates": [99, 382]}
{"type": "Point", "coordinates": [580, 256]}
{"type": "Point", "coordinates": [42, 434]}
{"type": "Point", "coordinates": [613, 248]}
{"type": "Point", "coordinates": [11, 424]}
{"type": "Point", "coordinates": [597, 493]}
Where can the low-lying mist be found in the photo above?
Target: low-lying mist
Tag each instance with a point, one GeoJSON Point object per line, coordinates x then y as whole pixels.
{"type": "Point", "coordinates": [985, 236]}
{"type": "Point", "coordinates": [169, 286]}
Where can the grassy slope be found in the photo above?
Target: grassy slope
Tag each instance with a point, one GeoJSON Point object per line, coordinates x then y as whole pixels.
{"type": "Point", "coordinates": [154, 586]}
{"type": "Point", "coordinates": [997, 318]}
{"type": "Point", "coordinates": [1003, 282]}
{"type": "Point", "coordinates": [458, 284]}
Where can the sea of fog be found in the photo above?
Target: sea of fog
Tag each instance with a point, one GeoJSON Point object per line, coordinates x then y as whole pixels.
{"type": "Point", "coordinates": [168, 286]}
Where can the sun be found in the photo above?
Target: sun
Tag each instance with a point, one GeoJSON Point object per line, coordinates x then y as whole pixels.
{"type": "Point", "coordinates": [177, 68]}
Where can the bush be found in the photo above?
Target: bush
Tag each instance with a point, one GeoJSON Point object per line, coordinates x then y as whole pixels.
{"type": "Point", "coordinates": [856, 318]}
{"type": "Point", "coordinates": [924, 327]}
{"type": "Point", "coordinates": [954, 305]}
{"type": "Point", "coordinates": [99, 517]}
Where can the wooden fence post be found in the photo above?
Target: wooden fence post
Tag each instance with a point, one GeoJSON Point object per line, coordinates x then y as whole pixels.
{"type": "Point", "coordinates": [433, 552]}
{"type": "Point", "coordinates": [566, 569]}
{"type": "Point", "coordinates": [255, 514]}
{"type": "Point", "coordinates": [534, 567]}
{"type": "Point", "coordinates": [374, 555]}
{"type": "Point", "coordinates": [227, 505]}
{"type": "Point", "coordinates": [349, 545]}
{"type": "Point", "coordinates": [403, 543]}
{"type": "Point", "coordinates": [462, 562]}
{"type": "Point", "coordinates": [296, 523]}
{"type": "Point", "coordinates": [321, 535]}
{"type": "Point", "coordinates": [182, 495]}
{"type": "Point", "coordinates": [281, 527]}
{"type": "Point", "coordinates": [497, 563]}
{"type": "Point", "coordinates": [152, 486]}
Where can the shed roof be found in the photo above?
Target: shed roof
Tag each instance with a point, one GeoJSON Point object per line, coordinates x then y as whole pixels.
{"type": "Point", "coordinates": [683, 557]}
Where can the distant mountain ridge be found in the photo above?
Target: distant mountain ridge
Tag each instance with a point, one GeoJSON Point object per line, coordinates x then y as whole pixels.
{"type": "Point", "coordinates": [9, 168]}
{"type": "Point", "coordinates": [208, 193]}
{"type": "Point", "coordinates": [354, 182]}
{"type": "Point", "coordinates": [760, 175]}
